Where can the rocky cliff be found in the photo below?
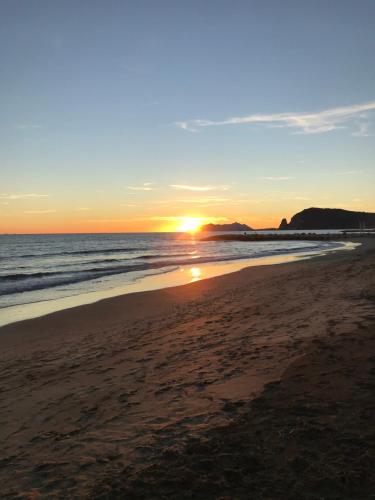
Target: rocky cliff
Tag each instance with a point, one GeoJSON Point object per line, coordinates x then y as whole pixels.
{"type": "Point", "coordinates": [235, 226]}
{"type": "Point", "coordinates": [329, 218]}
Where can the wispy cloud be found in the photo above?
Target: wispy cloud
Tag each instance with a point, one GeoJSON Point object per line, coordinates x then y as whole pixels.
{"type": "Point", "coordinates": [20, 196]}
{"type": "Point", "coordinates": [188, 187]}
{"type": "Point", "coordinates": [363, 130]}
{"type": "Point", "coordinates": [83, 209]}
{"type": "Point", "coordinates": [344, 172]}
{"type": "Point", "coordinates": [277, 178]}
{"type": "Point", "coordinates": [39, 211]}
{"type": "Point", "coordinates": [205, 200]}
{"type": "Point", "coordinates": [192, 125]}
{"type": "Point", "coordinates": [173, 218]}
{"type": "Point", "coordinates": [302, 123]}
{"type": "Point", "coordinates": [146, 186]}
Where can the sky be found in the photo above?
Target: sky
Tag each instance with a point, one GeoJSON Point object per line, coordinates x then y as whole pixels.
{"type": "Point", "coordinates": [124, 115]}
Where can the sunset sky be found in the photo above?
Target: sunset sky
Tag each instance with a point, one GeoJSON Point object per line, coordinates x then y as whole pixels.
{"type": "Point", "coordinates": [133, 115]}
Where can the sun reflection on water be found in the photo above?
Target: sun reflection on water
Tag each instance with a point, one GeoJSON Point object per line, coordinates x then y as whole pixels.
{"type": "Point", "coordinates": [196, 273]}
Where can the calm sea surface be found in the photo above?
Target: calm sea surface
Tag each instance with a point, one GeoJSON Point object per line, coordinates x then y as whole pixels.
{"type": "Point", "coordinates": [39, 268]}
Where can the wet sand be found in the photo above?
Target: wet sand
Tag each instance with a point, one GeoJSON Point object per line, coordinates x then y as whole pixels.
{"type": "Point", "coordinates": [231, 387]}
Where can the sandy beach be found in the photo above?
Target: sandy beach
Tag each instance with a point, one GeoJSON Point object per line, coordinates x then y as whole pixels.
{"type": "Point", "coordinates": [256, 384]}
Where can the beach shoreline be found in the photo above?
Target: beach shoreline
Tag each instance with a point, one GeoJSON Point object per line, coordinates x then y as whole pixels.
{"type": "Point", "coordinates": [182, 275]}
{"type": "Point", "coordinates": [93, 390]}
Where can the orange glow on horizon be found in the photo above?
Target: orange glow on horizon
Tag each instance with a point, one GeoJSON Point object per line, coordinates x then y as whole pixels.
{"type": "Point", "coordinates": [65, 222]}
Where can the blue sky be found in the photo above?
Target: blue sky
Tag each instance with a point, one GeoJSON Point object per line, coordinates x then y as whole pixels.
{"type": "Point", "coordinates": [106, 106]}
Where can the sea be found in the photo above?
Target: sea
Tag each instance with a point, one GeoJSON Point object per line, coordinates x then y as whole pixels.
{"type": "Point", "coordinates": [45, 273]}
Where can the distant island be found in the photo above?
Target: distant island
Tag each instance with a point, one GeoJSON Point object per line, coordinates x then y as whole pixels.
{"type": "Point", "coordinates": [234, 226]}
{"type": "Point", "coordinates": [329, 218]}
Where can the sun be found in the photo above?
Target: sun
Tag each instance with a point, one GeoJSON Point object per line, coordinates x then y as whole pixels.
{"type": "Point", "coordinates": [190, 224]}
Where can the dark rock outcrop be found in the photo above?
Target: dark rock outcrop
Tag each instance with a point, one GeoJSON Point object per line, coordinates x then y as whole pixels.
{"type": "Point", "coordinates": [284, 224]}
{"type": "Point", "coordinates": [235, 226]}
{"type": "Point", "coordinates": [329, 218]}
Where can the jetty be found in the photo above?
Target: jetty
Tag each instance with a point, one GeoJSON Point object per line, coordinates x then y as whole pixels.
{"type": "Point", "coordinates": [282, 236]}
